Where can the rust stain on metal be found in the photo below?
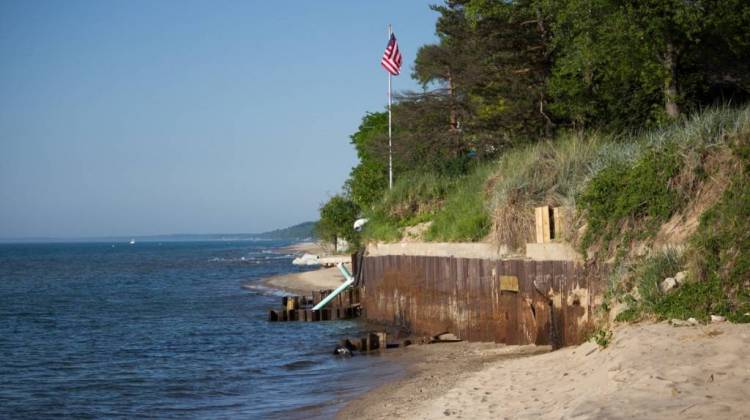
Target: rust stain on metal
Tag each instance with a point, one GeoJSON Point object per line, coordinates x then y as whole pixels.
{"type": "Point", "coordinates": [551, 301]}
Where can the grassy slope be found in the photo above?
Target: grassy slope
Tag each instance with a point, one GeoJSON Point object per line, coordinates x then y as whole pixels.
{"type": "Point", "coordinates": [623, 189]}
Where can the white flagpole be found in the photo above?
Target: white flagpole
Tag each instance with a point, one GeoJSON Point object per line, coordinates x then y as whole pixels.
{"type": "Point", "coordinates": [390, 141]}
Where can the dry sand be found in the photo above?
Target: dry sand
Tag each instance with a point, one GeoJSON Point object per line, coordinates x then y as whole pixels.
{"type": "Point", "coordinates": [650, 371]}
{"type": "Point", "coordinates": [305, 282]}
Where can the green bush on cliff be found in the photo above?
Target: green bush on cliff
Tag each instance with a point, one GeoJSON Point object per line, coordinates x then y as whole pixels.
{"type": "Point", "coordinates": [456, 206]}
{"type": "Point", "coordinates": [463, 216]}
{"type": "Point", "coordinates": [630, 193]}
{"type": "Point", "coordinates": [415, 198]}
{"type": "Point", "coordinates": [646, 298]}
{"type": "Point", "coordinates": [717, 254]}
{"type": "Point", "coordinates": [720, 250]}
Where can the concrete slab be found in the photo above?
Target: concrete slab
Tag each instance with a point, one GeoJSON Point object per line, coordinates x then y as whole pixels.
{"type": "Point", "coordinates": [552, 252]}
{"type": "Point", "coordinates": [440, 249]}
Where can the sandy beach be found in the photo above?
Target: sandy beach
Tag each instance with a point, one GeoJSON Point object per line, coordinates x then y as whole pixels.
{"type": "Point", "coordinates": [305, 282]}
{"type": "Point", "coordinates": [653, 371]}
{"type": "Point", "coordinates": [302, 283]}
{"type": "Point", "coordinates": [432, 370]}
{"type": "Point", "coordinates": [304, 248]}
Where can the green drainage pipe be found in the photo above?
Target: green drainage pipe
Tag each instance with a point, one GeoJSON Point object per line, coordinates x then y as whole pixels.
{"type": "Point", "coordinates": [347, 283]}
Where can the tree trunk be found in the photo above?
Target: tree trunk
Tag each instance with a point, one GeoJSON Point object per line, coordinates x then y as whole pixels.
{"type": "Point", "coordinates": [670, 85]}
{"type": "Point", "coordinates": [454, 116]}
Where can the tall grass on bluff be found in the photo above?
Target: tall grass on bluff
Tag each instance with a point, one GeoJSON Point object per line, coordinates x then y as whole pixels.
{"type": "Point", "coordinates": [626, 183]}
{"type": "Point", "coordinates": [720, 249]}
{"type": "Point", "coordinates": [717, 255]}
{"type": "Point", "coordinates": [455, 205]}
{"type": "Point", "coordinates": [630, 196]}
{"type": "Point", "coordinates": [464, 215]}
{"type": "Point", "coordinates": [547, 173]}
{"type": "Point", "coordinates": [415, 198]}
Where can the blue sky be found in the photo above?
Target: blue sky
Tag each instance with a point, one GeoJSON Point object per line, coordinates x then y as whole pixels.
{"type": "Point", "coordinates": [150, 117]}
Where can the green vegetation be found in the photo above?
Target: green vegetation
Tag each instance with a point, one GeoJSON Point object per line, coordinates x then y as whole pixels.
{"type": "Point", "coordinates": [602, 337]}
{"type": "Point", "coordinates": [464, 214]}
{"type": "Point", "coordinates": [644, 297]}
{"type": "Point", "coordinates": [456, 206]}
{"type": "Point", "coordinates": [337, 217]}
{"type": "Point", "coordinates": [545, 173]}
{"type": "Point", "coordinates": [415, 198]}
{"type": "Point", "coordinates": [618, 111]}
{"type": "Point", "coordinates": [717, 256]}
{"type": "Point", "coordinates": [625, 192]}
{"type": "Point", "coordinates": [720, 250]}
{"type": "Point", "coordinates": [369, 178]}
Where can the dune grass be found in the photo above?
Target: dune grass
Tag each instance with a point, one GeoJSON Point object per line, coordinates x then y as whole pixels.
{"type": "Point", "coordinates": [415, 198]}
{"type": "Point", "coordinates": [464, 215]}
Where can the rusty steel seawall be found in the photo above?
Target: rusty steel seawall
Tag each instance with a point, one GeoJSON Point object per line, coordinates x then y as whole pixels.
{"type": "Point", "coordinates": [553, 304]}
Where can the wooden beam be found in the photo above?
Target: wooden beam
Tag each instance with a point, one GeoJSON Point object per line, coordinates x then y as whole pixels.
{"type": "Point", "coordinates": [539, 225]}
{"type": "Point", "coordinates": [543, 227]}
{"type": "Point", "coordinates": [559, 229]}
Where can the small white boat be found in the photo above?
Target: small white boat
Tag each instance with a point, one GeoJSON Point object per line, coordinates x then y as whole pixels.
{"type": "Point", "coordinates": [132, 242]}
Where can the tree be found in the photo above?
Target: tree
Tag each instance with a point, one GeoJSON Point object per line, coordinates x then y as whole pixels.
{"type": "Point", "coordinates": [491, 63]}
{"type": "Point", "coordinates": [369, 179]}
{"type": "Point", "coordinates": [630, 63]}
{"type": "Point", "coordinates": [337, 218]}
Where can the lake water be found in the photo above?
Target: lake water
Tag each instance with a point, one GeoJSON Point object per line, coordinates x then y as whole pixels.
{"type": "Point", "coordinates": [103, 330]}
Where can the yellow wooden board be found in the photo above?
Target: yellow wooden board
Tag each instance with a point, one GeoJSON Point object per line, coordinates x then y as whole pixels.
{"type": "Point", "coordinates": [558, 223]}
{"type": "Point", "coordinates": [539, 224]}
{"type": "Point", "coordinates": [509, 283]}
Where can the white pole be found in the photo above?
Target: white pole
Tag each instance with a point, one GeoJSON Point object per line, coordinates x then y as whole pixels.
{"type": "Point", "coordinates": [390, 140]}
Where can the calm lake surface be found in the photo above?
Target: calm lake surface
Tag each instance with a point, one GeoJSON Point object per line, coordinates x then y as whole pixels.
{"type": "Point", "coordinates": [102, 330]}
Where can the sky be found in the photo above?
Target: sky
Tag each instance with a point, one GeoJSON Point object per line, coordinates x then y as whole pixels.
{"type": "Point", "coordinates": [134, 117]}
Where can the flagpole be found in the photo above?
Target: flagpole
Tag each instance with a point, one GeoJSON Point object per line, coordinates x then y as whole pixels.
{"type": "Point", "coordinates": [390, 140]}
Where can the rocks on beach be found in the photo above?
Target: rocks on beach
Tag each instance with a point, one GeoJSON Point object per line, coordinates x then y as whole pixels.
{"type": "Point", "coordinates": [307, 259]}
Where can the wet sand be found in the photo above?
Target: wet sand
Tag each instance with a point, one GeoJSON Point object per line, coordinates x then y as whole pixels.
{"type": "Point", "coordinates": [653, 371]}
{"type": "Point", "coordinates": [431, 371]}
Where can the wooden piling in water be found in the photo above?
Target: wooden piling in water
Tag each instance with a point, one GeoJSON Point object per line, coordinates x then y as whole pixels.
{"type": "Point", "coordinates": [299, 308]}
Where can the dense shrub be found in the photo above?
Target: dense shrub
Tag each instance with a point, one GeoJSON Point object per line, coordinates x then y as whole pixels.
{"type": "Point", "coordinates": [624, 193]}
{"type": "Point", "coordinates": [337, 218]}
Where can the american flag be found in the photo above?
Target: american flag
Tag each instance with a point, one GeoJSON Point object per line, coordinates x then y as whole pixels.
{"type": "Point", "coordinates": [392, 57]}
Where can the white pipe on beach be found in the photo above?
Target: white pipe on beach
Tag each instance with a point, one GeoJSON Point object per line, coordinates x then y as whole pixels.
{"type": "Point", "coordinates": [347, 283]}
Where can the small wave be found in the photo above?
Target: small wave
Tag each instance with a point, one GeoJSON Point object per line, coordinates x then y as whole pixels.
{"type": "Point", "coordinates": [299, 364]}
{"type": "Point", "coordinates": [259, 288]}
{"type": "Point", "coordinates": [235, 259]}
